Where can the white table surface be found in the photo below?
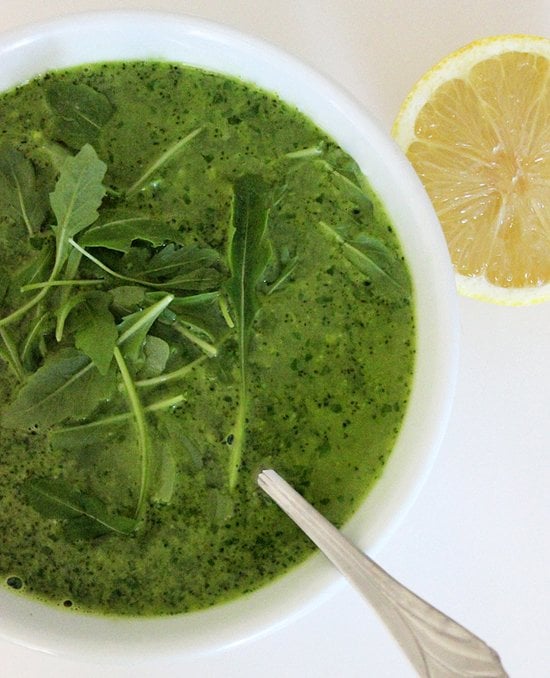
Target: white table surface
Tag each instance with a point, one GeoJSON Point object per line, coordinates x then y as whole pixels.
{"type": "Point", "coordinates": [477, 541]}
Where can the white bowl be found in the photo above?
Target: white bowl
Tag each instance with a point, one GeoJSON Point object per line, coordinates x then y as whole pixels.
{"type": "Point", "coordinates": [129, 35]}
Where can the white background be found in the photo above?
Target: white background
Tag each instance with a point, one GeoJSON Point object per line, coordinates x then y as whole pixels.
{"type": "Point", "coordinates": [477, 541]}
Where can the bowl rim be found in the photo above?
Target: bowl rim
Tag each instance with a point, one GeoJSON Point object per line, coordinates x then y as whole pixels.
{"type": "Point", "coordinates": [43, 627]}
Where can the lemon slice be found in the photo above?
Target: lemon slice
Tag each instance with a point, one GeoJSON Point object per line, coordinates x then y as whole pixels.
{"type": "Point", "coordinates": [476, 128]}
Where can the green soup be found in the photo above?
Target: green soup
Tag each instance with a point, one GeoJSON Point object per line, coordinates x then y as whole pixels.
{"type": "Point", "coordinates": [196, 283]}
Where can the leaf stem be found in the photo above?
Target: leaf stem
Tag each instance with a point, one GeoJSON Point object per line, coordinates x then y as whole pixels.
{"type": "Point", "coordinates": [18, 313]}
{"type": "Point", "coordinates": [210, 350]}
{"type": "Point", "coordinates": [102, 266]}
{"type": "Point", "coordinates": [33, 334]}
{"type": "Point", "coordinates": [158, 406]}
{"type": "Point", "coordinates": [311, 152]}
{"type": "Point", "coordinates": [60, 283]}
{"type": "Point", "coordinates": [12, 357]}
{"type": "Point", "coordinates": [287, 272]}
{"type": "Point", "coordinates": [162, 160]}
{"type": "Point", "coordinates": [237, 442]}
{"type": "Point", "coordinates": [171, 376]}
{"type": "Point", "coordinates": [222, 303]}
{"type": "Point", "coordinates": [23, 207]}
{"type": "Point", "coordinates": [152, 312]}
{"type": "Point", "coordinates": [144, 444]}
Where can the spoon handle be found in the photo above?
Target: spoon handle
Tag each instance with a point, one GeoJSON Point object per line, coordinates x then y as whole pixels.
{"type": "Point", "coordinates": [436, 645]}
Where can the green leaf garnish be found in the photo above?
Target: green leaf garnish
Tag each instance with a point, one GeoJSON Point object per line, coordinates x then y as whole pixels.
{"type": "Point", "coordinates": [75, 200]}
{"type": "Point", "coordinates": [32, 349]}
{"type": "Point", "coordinates": [173, 269]}
{"type": "Point", "coordinates": [71, 436]}
{"type": "Point", "coordinates": [18, 190]}
{"type": "Point", "coordinates": [69, 342]}
{"type": "Point", "coordinates": [80, 112]}
{"type": "Point", "coordinates": [95, 332]}
{"type": "Point", "coordinates": [38, 269]}
{"type": "Point", "coordinates": [248, 256]}
{"type": "Point", "coordinates": [84, 516]}
{"type": "Point", "coordinates": [199, 314]}
{"type": "Point", "coordinates": [142, 432]}
{"type": "Point", "coordinates": [164, 478]}
{"type": "Point", "coordinates": [372, 258]}
{"type": "Point", "coordinates": [174, 375]}
{"type": "Point", "coordinates": [9, 353]}
{"type": "Point", "coordinates": [183, 268]}
{"type": "Point", "coordinates": [119, 233]}
{"type": "Point", "coordinates": [134, 328]}
{"type": "Point", "coordinates": [129, 298]}
{"type": "Point", "coordinates": [67, 386]}
{"type": "Point", "coordinates": [71, 385]}
{"type": "Point", "coordinates": [156, 352]}
{"type": "Point", "coordinates": [169, 154]}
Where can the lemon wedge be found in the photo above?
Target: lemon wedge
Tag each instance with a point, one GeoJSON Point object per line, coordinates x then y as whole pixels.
{"type": "Point", "coordinates": [476, 128]}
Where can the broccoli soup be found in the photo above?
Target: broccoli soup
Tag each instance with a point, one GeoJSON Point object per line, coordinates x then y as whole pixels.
{"type": "Point", "coordinates": [196, 283]}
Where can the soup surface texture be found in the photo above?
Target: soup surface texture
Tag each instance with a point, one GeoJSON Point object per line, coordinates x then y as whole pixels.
{"type": "Point", "coordinates": [195, 283]}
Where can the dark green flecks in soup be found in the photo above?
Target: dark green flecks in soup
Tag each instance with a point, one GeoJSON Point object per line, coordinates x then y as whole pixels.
{"type": "Point", "coordinates": [196, 283]}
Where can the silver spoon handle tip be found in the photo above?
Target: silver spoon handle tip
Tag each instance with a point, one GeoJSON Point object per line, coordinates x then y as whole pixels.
{"type": "Point", "coordinates": [436, 645]}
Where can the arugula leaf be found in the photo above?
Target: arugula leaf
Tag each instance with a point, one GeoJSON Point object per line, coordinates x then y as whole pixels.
{"type": "Point", "coordinates": [84, 516]}
{"type": "Point", "coordinates": [372, 258]}
{"type": "Point", "coordinates": [71, 271]}
{"type": "Point", "coordinates": [67, 386]}
{"type": "Point", "coordinates": [249, 252]}
{"type": "Point", "coordinates": [38, 268]}
{"type": "Point", "coordinates": [142, 432]}
{"type": "Point", "coordinates": [128, 298]}
{"type": "Point", "coordinates": [134, 328]}
{"type": "Point", "coordinates": [169, 154]}
{"type": "Point", "coordinates": [56, 153]}
{"type": "Point", "coordinates": [200, 312]}
{"type": "Point", "coordinates": [70, 437]}
{"type": "Point", "coordinates": [76, 382]}
{"type": "Point", "coordinates": [197, 317]}
{"type": "Point", "coordinates": [18, 190]}
{"type": "Point", "coordinates": [349, 177]}
{"type": "Point", "coordinates": [64, 310]}
{"type": "Point", "coordinates": [80, 112]}
{"type": "Point", "coordinates": [170, 260]}
{"type": "Point", "coordinates": [75, 200]}
{"type": "Point", "coordinates": [117, 232]}
{"type": "Point", "coordinates": [175, 375]}
{"type": "Point", "coordinates": [164, 478]}
{"type": "Point", "coordinates": [184, 304]}
{"type": "Point", "coordinates": [9, 354]}
{"type": "Point", "coordinates": [66, 301]}
{"type": "Point", "coordinates": [95, 332]}
{"type": "Point", "coordinates": [183, 268]}
{"type": "Point", "coordinates": [287, 267]}
{"type": "Point", "coordinates": [156, 352]}
{"type": "Point", "coordinates": [248, 257]}
{"type": "Point", "coordinates": [195, 338]}
{"type": "Point", "coordinates": [32, 350]}
{"type": "Point", "coordinates": [189, 268]}
{"type": "Point", "coordinates": [377, 261]}
{"type": "Point", "coordinates": [194, 459]}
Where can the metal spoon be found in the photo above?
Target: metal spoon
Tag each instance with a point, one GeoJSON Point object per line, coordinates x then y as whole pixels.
{"type": "Point", "coordinates": [436, 645]}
